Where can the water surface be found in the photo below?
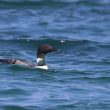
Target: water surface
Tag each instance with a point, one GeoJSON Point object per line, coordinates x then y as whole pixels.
{"type": "Point", "coordinates": [79, 73]}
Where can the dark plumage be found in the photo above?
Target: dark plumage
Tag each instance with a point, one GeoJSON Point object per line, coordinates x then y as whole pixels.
{"type": "Point", "coordinates": [41, 52]}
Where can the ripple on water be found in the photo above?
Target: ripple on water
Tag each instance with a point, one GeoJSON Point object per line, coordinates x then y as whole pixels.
{"type": "Point", "coordinates": [79, 72]}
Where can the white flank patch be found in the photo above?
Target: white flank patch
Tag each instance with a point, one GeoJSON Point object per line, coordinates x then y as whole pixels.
{"type": "Point", "coordinates": [45, 67]}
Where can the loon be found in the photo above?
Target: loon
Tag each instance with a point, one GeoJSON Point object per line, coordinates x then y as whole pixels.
{"type": "Point", "coordinates": [41, 64]}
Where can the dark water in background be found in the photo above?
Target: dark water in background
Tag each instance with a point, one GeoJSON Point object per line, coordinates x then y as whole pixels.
{"type": "Point", "coordinates": [79, 74]}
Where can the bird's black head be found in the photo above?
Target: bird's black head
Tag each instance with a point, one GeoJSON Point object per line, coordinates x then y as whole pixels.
{"type": "Point", "coordinates": [44, 49]}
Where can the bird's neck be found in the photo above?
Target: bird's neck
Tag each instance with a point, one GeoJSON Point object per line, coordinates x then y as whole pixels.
{"type": "Point", "coordinates": [41, 60]}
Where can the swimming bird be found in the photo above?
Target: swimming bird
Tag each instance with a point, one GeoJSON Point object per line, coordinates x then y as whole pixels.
{"type": "Point", "coordinates": [41, 64]}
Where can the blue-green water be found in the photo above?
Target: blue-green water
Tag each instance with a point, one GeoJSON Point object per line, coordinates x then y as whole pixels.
{"type": "Point", "coordinates": [79, 73]}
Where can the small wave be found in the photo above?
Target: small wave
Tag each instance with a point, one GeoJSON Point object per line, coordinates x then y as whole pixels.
{"type": "Point", "coordinates": [53, 3]}
{"type": "Point", "coordinates": [18, 107]}
{"type": "Point", "coordinates": [13, 107]}
{"type": "Point", "coordinates": [14, 91]}
{"type": "Point", "coordinates": [78, 44]}
{"type": "Point", "coordinates": [39, 1]}
{"type": "Point", "coordinates": [93, 79]}
{"type": "Point", "coordinates": [31, 3]}
{"type": "Point", "coordinates": [59, 1]}
{"type": "Point", "coordinates": [48, 40]}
